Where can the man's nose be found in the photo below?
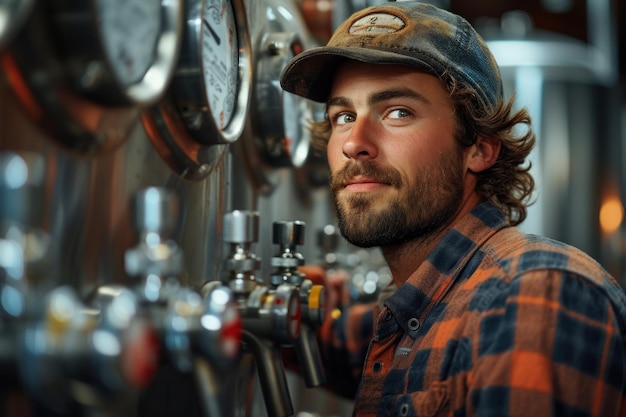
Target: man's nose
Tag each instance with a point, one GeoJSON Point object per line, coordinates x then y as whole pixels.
{"type": "Point", "coordinates": [360, 142]}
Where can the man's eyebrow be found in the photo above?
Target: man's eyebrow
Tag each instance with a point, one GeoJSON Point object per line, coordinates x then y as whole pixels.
{"type": "Point", "coordinates": [337, 101]}
{"type": "Point", "coordinates": [397, 93]}
{"type": "Point", "coordinates": [380, 97]}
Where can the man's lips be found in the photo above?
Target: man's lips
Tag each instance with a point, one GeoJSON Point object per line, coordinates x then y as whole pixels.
{"type": "Point", "coordinates": [362, 177]}
{"type": "Point", "coordinates": [361, 184]}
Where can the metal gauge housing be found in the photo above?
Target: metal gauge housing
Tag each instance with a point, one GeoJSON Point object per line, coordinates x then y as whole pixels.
{"type": "Point", "coordinates": [206, 105]}
{"type": "Point", "coordinates": [84, 69]}
{"type": "Point", "coordinates": [278, 134]}
{"type": "Point", "coordinates": [126, 51]}
{"type": "Point", "coordinates": [282, 117]}
{"type": "Point", "coordinates": [12, 16]}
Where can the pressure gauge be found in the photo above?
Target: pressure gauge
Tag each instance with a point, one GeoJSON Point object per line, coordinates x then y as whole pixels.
{"type": "Point", "coordinates": [220, 60]}
{"type": "Point", "coordinates": [128, 51]}
{"type": "Point", "coordinates": [12, 16]}
{"type": "Point", "coordinates": [282, 117]}
{"type": "Point", "coordinates": [206, 105]}
{"type": "Point", "coordinates": [278, 134]}
{"type": "Point", "coordinates": [130, 31]}
{"type": "Point", "coordinates": [85, 69]}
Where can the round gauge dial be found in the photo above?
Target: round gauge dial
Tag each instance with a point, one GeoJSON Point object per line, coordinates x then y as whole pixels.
{"type": "Point", "coordinates": [207, 103]}
{"type": "Point", "coordinates": [282, 117]}
{"type": "Point", "coordinates": [127, 49]}
{"type": "Point", "coordinates": [84, 70]}
{"type": "Point", "coordinates": [12, 15]}
{"type": "Point", "coordinates": [220, 60]}
{"type": "Point", "coordinates": [130, 30]}
{"type": "Point", "coordinates": [139, 42]}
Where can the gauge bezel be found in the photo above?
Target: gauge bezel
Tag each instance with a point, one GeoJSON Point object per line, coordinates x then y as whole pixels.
{"type": "Point", "coordinates": [264, 150]}
{"type": "Point", "coordinates": [92, 71]}
{"type": "Point", "coordinates": [44, 84]}
{"type": "Point", "coordinates": [275, 104]}
{"type": "Point", "coordinates": [17, 11]}
{"type": "Point", "coordinates": [181, 125]}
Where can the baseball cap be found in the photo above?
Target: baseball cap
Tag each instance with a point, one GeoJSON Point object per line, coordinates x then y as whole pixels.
{"type": "Point", "coordinates": [407, 32]}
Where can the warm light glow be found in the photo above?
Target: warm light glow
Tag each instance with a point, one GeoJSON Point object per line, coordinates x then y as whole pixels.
{"type": "Point", "coordinates": [611, 214]}
{"type": "Point", "coordinates": [324, 6]}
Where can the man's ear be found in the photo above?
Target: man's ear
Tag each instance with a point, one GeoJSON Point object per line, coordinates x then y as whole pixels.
{"type": "Point", "coordinates": [483, 154]}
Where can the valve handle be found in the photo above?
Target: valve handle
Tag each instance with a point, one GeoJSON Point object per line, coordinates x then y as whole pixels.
{"type": "Point", "coordinates": [156, 209]}
{"type": "Point", "coordinates": [241, 226]}
{"type": "Point", "coordinates": [22, 177]}
{"type": "Point", "coordinates": [288, 233]}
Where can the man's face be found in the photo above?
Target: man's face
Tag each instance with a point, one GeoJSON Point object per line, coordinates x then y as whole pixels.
{"type": "Point", "coordinates": [397, 171]}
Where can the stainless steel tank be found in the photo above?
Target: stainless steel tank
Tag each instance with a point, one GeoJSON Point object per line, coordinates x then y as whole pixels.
{"type": "Point", "coordinates": [571, 90]}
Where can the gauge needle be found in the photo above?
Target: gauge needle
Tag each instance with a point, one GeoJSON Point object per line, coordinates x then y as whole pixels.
{"type": "Point", "coordinates": [217, 39]}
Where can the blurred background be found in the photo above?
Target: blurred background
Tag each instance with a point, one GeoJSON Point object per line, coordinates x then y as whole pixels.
{"type": "Point", "coordinates": [159, 191]}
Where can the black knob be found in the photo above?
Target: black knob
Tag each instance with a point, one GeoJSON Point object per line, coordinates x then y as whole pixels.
{"type": "Point", "coordinates": [288, 233]}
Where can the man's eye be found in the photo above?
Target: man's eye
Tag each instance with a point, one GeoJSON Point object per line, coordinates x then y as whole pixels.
{"type": "Point", "coordinates": [398, 114]}
{"type": "Point", "coordinates": [344, 118]}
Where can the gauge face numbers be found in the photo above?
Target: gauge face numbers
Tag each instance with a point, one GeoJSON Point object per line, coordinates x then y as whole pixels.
{"type": "Point", "coordinates": [206, 106]}
{"type": "Point", "coordinates": [130, 30]}
{"type": "Point", "coordinates": [220, 60]}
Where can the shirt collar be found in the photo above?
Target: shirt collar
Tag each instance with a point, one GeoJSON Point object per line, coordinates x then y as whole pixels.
{"type": "Point", "coordinates": [425, 288]}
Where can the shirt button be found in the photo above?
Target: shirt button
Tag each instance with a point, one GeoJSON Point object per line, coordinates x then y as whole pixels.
{"type": "Point", "coordinates": [377, 367]}
{"type": "Point", "coordinates": [413, 323]}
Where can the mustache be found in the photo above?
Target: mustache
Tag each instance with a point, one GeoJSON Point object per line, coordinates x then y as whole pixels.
{"type": "Point", "coordinates": [366, 169]}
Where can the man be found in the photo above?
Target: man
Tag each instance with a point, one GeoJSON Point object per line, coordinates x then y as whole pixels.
{"type": "Point", "coordinates": [428, 162]}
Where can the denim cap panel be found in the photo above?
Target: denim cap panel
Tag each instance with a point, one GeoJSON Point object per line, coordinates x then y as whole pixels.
{"type": "Point", "coordinates": [409, 33]}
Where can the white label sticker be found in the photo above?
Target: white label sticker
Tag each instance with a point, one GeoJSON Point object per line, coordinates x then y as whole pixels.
{"type": "Point", "coordinates": [377, 23]}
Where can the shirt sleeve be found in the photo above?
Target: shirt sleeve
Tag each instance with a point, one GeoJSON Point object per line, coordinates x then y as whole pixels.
{"type": "Point", "coordinates": [550, 344]}
{"type": "Point", "coordinates": [344, 339]}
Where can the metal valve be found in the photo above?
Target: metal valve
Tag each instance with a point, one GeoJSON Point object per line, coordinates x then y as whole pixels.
{"type": "Point", "coordinates": [12, 308]}
{"type": "Point", "coordinates": [241, 232]}
{"type": "Point", "coordinates": [21, 211]}
{"type": "Point", "coordinates": [24, 250]}
{"type": "Point", "coordinates": [328, 242]}
{"type": "Point", "coordinates": [190, 323]}
{"type": "Point", "coordinates": [271, 314]}
{"type": "Point", "coordinates": [272, 320]}
{"type": "Point", "coordinates": [200, 331]}
{"type": "Point", "coordinates": [288, 235]}
{"type": "Point", "coordinates": [21, 181]}
{"type": "Point", "coordinates": [207, 325]}
{"type": "Point", "coordinates": [157, 260]}
{"type": "Point", "coordinates": [89, 354]}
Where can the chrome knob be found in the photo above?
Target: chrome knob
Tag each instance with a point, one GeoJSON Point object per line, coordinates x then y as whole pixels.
{"type": "Point", "coordinates": [157, 210]}
{"type": "Point", "coordinates": [21, 183]}
{"type": "Point", "coordinates": [241, 226]}
{"type": "Point", "coordinates": [288, 235]}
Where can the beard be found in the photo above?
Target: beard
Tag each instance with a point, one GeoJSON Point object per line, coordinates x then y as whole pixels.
{"type": "Point", "coordinates": [422, 206]}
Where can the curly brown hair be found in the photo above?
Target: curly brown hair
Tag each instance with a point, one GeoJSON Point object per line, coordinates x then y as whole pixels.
{"type": "Point", "coordinates": [508, 183]}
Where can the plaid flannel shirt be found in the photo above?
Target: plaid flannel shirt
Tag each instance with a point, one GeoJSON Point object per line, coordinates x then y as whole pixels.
{"type": "Point", "coordinates": [493, 323]}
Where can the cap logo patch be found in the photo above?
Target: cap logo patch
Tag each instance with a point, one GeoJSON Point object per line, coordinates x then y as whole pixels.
{"type": "Point", "coordinates": [377, 23]}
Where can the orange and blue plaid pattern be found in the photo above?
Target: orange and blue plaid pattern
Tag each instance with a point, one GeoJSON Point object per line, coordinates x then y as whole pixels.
{"type": "Point", "coordinates": [494, 323]}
